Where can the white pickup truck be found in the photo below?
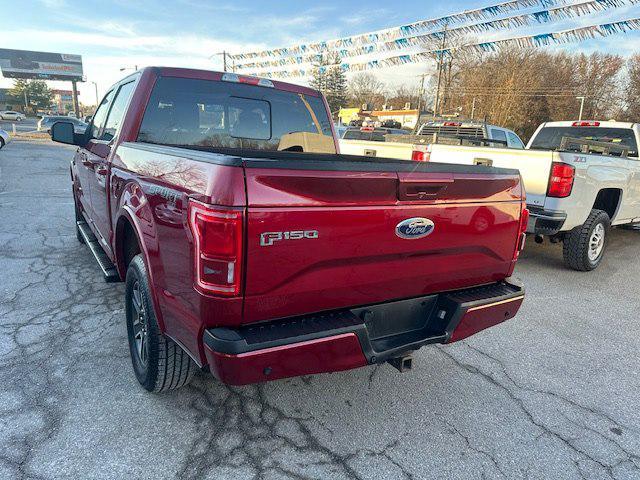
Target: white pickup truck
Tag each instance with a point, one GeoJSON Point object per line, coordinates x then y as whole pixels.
{"type": "Point", "coordinates": [580, 178]}
{"type": "Point", "coordinates": [413, 147]}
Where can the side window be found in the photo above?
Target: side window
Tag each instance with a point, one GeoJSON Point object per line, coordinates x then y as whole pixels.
{"type": "Point", "coordinates": [498, 135]}
{"type": "Point", "coordinates": [514, 140]}
{"type": "Point", "coordinates": [101, 115]}
{"type": "Point", "coordinates": [116, 114]}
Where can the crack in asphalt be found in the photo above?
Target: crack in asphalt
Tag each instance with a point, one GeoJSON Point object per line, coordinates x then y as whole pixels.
{"type": "Point", "coordinates": [70, 407]}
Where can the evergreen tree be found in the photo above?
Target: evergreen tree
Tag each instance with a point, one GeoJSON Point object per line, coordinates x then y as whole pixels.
{"type": "Point", "coordinates": [330, 79]}
{"type": "Point", "coordinates": [37, 93]}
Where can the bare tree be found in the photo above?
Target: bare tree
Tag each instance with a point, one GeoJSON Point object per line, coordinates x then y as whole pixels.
{"type": "Point", "coordinates": [632, 95]}
{"type": "Point", "coordinates": [366, 88]}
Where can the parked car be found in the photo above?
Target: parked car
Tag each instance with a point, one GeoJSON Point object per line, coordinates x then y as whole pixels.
{"type": "Point", "coordinates": [11, 115]}
{"type": "Point", "coordinates": [4, 138]}
{"type": "Point", "coordinates": [249, 247]}
{"type": "Point", "coordinates": [45, 123]}
{"type": "Point", "coordinates": [404, 146]}
{"type": "Point", "coordinates": [581, 177]}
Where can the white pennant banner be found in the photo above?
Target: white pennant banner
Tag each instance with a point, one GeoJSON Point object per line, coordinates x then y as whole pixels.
{"type": "Point", "coordinates": [557, 38]}
{"type": "Point", "coordinates": [407, 30]}
{"type": "Point", "coordinates": [539, 17]}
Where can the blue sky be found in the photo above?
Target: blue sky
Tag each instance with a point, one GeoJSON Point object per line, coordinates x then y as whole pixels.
{"type": "Point", "coordinates": [111, 34]}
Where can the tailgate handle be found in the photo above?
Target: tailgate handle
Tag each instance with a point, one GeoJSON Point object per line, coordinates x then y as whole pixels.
{"type": "Point", "coordinates": [419, 191]}
{"type": "Point", "coordinates": [483, 161]}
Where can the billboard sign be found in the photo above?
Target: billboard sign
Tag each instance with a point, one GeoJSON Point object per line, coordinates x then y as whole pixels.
{"type": "Point", "coordinates": [40, 65]}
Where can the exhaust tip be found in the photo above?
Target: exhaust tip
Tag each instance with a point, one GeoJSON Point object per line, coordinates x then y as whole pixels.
{"type": "Point", "coordinates": [402, 364]}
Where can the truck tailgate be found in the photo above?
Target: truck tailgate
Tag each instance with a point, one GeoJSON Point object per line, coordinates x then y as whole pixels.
{"type": "Point", "coordinates": [322, 239]}
{"type": "Point", "coordinates": [534, 165]}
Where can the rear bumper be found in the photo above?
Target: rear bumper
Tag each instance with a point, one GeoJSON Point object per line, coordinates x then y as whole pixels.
{"type": "Point", "coordinates": [346, 339]}
{"type": "Point", "coordinates": [545, 222]}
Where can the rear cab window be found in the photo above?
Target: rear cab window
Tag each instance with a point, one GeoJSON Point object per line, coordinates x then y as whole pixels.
{"type": "Point", "coordinates": [498, 135]}
{"type": "Point", "coordinates": [514, 141]}
{"type": "Point", "coordinates": [225, 115]}
{"type": "Point", "coordinates": [549, 138]}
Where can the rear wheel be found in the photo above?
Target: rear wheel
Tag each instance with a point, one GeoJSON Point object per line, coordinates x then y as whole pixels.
{"type": "Point", "coordinates": [1, 143]}
{"type": "Point", "coordinates": [584, 246]}
{"type": "Point", "coordinates": [158, 362]}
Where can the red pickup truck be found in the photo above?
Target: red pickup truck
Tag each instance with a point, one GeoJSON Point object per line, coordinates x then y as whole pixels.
{"type": "Point", "coordinates": [250, 247]}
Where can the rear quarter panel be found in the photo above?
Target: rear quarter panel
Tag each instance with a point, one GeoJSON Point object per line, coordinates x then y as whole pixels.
{"type": "Point", "coordinates": [594, 173]}
{"type": "Point", "coordinates": [150, 187]}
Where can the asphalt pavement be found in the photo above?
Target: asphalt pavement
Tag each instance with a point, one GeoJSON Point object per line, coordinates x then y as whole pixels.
{"type": "Point", "coordinates": [552, 393]}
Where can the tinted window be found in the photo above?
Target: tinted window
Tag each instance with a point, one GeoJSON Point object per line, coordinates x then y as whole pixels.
{"type": "Point", "coordinates": [355, 135]}
{"type": "Point", "coordinates": [498, 135]}
{"type": "Point", "coordinates": [117, 111]}
{"type": "Point", "coordinates": [367, 135]}
{"type": "Point", "coordinates": [549, 138]}
{"type": "Point", "coordinates": [101, 115]}
{"type": "Point", "coordinates": [214, 114]}
{"type": "Point", "coordinates": [514, 140]}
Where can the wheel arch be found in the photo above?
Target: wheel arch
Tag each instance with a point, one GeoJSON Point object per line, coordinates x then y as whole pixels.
{"type": "Point", "coordinates": [608, 200]}
{"type": "Point", "coordinates": [127, 243]}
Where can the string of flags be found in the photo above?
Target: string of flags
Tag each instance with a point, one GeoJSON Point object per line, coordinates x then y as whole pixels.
{"type": "Point", "coordinates": [516, 21]}
{"type": "Point", "coordinates": [413, 29]}
{"type": "Point", "coordinates": [545, 39]}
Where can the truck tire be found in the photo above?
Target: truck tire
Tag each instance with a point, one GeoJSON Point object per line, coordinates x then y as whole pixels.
{"type": "Point", "coordinates": [158, 362]}
{"type": "Point", "coordinates": [1, 143]}
{"type": "Point", "coordinates": [584, 246]}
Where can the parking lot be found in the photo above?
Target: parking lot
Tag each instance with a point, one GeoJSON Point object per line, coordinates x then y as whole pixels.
{"type": "Point", "coordinates": [550, 394]}
{"type": "Point", "coordinates": [29, 124]}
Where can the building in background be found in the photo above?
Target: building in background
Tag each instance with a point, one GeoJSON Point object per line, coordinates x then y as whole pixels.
{"type": "Point", "coordinates": [9, 102]}
{"type": "Point", "coordinates": [406, 117]}
{"type": "Point", "coordinates": [62, 101]}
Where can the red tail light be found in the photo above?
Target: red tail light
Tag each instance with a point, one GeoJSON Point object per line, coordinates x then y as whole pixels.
{"type": "Point", "coordinates": [585, 124]}
{"type": "Point", "coordinates": [217, 238]}
{"type": "Point", "coordinates": [420, 156]}
{"type": "Point", "coordinates": [524, 220]}
{"type": "Point", "coordinates": [561, 180]}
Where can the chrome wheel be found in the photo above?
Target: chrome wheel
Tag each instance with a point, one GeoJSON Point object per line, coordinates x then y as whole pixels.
{"type": "Point", "coordinates": [596, 242]}
{"type": "Point", "coordinates": [140, 325]}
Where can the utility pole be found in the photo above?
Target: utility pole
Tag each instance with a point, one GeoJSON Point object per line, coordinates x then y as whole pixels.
{"type": "Point", "coordinates": [440, 54]}
{"type": "Point", "coordinates": [97, 99]}
{"type": "Point", "coordinates": [224, 54]}
{"type": "Point", "coordinates": [581, 107]}
{"type": "Point", "coordinates": [473, 108]}
{"type": "Point", "coordinates": [76, 107]}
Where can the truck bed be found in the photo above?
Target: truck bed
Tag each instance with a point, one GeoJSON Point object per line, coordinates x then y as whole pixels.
{"type": "Point", "coordinates": [354, 204]}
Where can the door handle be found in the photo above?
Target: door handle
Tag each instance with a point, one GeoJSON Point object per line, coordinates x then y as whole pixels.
{"type": "Point", "coordinates": [102, 170]}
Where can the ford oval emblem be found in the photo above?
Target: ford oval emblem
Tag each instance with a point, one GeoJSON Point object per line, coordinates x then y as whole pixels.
{"type": "Point", "coordinates": [413, 228]}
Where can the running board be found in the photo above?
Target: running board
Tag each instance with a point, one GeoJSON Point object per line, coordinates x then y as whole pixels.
{"type": "Point", "coordinates": [108, 268]}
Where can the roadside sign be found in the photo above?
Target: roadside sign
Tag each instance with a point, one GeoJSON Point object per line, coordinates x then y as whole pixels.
{"type": "Point", "coordinates": [40, 65]}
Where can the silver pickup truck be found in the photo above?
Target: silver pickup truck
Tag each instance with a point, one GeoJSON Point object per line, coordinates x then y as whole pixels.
{"type": "Point", "coordinates": [581, 178]}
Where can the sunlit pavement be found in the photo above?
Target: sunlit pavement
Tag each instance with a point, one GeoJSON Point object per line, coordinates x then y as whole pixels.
{"type": "Point", "coordinates": [550, 394]}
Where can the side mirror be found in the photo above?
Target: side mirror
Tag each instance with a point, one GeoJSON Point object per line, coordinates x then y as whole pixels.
{"type": "Point", "coordinates": [62, 132]}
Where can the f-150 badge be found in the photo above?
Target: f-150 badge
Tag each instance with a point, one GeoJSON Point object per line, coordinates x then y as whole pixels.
{"type": "Point", "coordinates": [413, 228]}
{"type": "Point", "coordinates": [269, 238]}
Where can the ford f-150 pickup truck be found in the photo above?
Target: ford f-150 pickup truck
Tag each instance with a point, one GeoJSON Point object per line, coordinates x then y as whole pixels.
{"type": "Point", "coordinates": [581, 177]}
{"type": "Point", "coordinates": [250, 247]}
